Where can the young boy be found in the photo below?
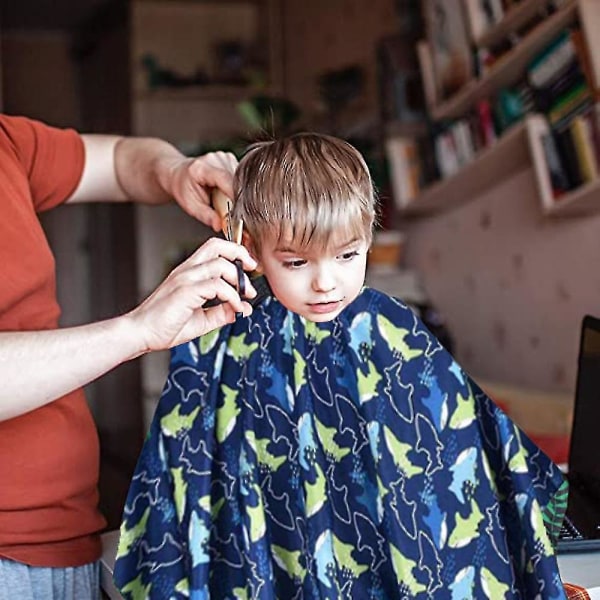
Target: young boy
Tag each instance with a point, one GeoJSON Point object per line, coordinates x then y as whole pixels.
{"type": "Point", "coordinates": [327, 446]}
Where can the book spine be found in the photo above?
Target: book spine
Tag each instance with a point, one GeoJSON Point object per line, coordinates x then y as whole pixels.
{"type": "Point", "coordinates": [555, 58]}
{"type": "Point", "coordinates": [582, 138]}
{"type": "Point", "coordinates": [559, 181]}
{"type": "Point", "coordinates": [402, 156]}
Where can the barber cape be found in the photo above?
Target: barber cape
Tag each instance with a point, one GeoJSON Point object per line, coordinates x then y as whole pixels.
{"type": "Point", "coordinates": [350, 459]}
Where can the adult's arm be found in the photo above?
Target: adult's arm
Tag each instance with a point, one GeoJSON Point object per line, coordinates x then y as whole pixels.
{"type": "Point", "coordinates": [152, 171]}
{"type": "Point", "coordinates": [41, 366]}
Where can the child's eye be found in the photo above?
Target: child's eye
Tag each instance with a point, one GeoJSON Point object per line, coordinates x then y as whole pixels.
{"type": "Point", "coordinates": [294, 264]}
{"type": "Point", "coordinates": [348, 255]}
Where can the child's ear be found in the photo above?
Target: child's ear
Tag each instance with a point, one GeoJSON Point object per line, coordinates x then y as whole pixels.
{"type": "Point", "coordinates": [248, 243]}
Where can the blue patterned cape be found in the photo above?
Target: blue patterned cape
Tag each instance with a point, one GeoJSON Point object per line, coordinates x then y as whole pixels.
{"type": "Point", "coordinates": [349, 459]}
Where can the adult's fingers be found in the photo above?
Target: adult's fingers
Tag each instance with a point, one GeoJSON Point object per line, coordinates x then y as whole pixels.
{"type": "Point", "coordinates": [217, 247]}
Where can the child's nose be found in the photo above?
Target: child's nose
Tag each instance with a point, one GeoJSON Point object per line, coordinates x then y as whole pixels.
{"type": "Point", "coordinates": [324, 280]}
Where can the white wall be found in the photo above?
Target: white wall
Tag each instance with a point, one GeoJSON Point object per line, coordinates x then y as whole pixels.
{"type": "Point", "coordinates": [513, 285]}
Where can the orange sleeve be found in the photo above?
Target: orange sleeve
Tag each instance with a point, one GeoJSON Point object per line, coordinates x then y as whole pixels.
{"type": "Point", "coordinates": [52, 158]}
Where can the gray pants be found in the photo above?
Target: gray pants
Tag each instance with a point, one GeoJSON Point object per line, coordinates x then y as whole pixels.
{"type": "Point", "coordinates": [22, 582]}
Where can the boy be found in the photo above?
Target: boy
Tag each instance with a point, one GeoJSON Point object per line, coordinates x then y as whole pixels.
{"type": "Point", "coordinates": [328, 446]}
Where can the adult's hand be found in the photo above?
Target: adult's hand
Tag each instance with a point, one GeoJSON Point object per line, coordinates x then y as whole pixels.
{"type": "Point", "coordinates": [175, 312]}
{"type": "Point", "coordinates": [152, 171]}
{"type": "Point", "coordinates": [192, 180]}
{"type": "Point", "coordinates": [37, 367]}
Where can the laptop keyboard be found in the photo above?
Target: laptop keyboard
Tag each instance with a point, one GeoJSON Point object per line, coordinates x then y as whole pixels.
{"type": "Point", "coordinates": [568, 531]}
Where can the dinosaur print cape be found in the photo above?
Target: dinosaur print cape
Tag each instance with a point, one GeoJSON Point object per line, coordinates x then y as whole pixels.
{"type": "Point", "coordinates": [348, 459]}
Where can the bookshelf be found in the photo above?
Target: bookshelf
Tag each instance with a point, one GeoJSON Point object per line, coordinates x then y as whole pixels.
{"type": "Point", "coordinates": [519, 146]}
{"type": "Point", "coordinates": [509, 67]}
{"type": "Point", "coordinates": [508, 155]}
{"type": "Point", "coordinates": [515, 18]}
{"type": "Point", "coordinates": [583, 201]}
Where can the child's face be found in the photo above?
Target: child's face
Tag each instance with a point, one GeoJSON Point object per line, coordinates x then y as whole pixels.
{"type": "Point", "coordinates": [314, 283]}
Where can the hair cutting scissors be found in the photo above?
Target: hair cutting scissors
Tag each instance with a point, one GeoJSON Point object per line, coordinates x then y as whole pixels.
{"type": "Point", "coordinates": [232, 232]}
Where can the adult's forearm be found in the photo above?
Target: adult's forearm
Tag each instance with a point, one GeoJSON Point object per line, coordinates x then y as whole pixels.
{"type": "Point", "coordinates": [41, 366]}
{"type": "Point", "coordinates": [144, 169]}
{"type": "Point", "coordinates": [118, 169]}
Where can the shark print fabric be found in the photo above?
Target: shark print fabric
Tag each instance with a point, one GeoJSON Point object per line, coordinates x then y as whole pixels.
{"type": "Point", "coordinates": [348, 459]}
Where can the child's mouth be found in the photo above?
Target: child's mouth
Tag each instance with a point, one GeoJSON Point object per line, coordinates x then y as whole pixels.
{"type": "Point", "coordinates": [325, 307]}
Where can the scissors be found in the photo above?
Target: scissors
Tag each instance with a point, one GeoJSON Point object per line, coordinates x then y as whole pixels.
{"type": "Point", "coordinates": [232, 232]}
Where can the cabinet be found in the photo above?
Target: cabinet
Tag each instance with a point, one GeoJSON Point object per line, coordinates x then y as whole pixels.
{"type": "Point", "coordinates": [519, 146]}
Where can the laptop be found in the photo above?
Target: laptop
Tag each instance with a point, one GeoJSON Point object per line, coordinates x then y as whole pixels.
{"type": "Point", "coordinates": [581, 528]}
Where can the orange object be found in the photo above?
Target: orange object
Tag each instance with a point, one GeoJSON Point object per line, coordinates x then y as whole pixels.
{"type": "Point", "coordinates": [50, 456]}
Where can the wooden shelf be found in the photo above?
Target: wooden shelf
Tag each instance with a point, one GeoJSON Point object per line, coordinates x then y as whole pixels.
{"type": "Point", "coordinates": [514, 19]}
{"type": "Point", "coordinates": [509, 68]}
{"type": "Point", "coordinates": [581, 201]}
{"type": "Point", "coordinates": [508, 155]}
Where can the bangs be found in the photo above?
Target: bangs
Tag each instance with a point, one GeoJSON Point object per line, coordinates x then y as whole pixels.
{"type": "Point", "coordinates": [321, 224]}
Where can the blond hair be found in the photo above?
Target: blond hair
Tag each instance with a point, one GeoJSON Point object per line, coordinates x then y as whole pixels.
{"type": "Point", "coordinates": [308, 184]}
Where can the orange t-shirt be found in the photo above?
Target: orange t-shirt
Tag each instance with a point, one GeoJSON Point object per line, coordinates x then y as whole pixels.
{"type": "Point", "coordinates": [49, 457]}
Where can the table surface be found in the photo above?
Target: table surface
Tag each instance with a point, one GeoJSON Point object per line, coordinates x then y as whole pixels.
{"type": "Point", "coordinates": [579, 568]}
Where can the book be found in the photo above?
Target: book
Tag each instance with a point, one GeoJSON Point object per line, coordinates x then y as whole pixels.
{"type": "Point", "coordinates": [430, 87]}
{"type": "Point", "coordinates": [568, 156]}
{"type": "Point", "coordinates": [583, 57]}
{"type": "Point", "coordinates": [559, 181]}
{"type": "Point", "coordinates": [581, 133]}
{"type": "Point", "coordinates": [484, 111]}
{"type": "Point", "coordinates": [463, 142]}
{"type": "Point", "coordinates": [446, 154]}
{"type": "Point", "coordinates": [551, 178]}
{"type": "Point", "coordinates": [478, 18]}
{"type": "Point", "coordinates": [405, 170]}
{"type": "Point", "coordinates": [557, 55]}
{"type": "Point", "coordinates": [564, 108]}
{"type": "Point", "coordinates": [566, 79]}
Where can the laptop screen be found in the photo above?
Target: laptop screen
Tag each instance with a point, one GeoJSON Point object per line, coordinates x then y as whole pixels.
{"type": "Point", "coordinates": [583, 454]}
